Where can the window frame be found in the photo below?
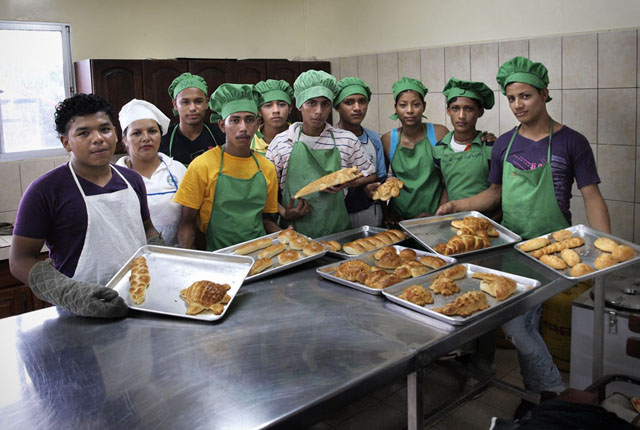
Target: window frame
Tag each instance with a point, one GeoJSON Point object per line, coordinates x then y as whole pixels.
{"type": "Point", "coordinates": [69, 82]}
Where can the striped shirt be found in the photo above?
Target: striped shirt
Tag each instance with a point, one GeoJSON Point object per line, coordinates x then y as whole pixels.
{"type": "Point", "coordinates": [350, 148]}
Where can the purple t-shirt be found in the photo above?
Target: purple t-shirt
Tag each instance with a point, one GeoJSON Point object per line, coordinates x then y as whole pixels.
{"type": "Point", "coordinates": [53, 209]}
{"type": "Point", "coordinates": [571, 157]}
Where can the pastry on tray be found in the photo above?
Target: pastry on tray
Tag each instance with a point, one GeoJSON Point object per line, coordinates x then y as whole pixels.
{"type": "Point", "coordinates": [205, 295]}
{"type": "Point", "coordinates": [139, 280]}
{"type": "Point", "coordinates": [416, 294]}
{"type": "Point", "coordinates": [497, 286]}
{"type": "Point", "coordinates": [465, 304]}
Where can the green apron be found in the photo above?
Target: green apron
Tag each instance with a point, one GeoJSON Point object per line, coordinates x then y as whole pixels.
{"type": "Point", "coordinates": [328, 211]}
{"type": "Point", "coordinates": [422, 188]}
{"type": "Point", "coordinates": [529, 203]}
{"type": "Point", "coordinates": [465, 173]}
{"type": "Point", "coordinates": [236, 211]}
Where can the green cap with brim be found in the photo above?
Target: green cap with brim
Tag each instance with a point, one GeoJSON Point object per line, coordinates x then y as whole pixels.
{"type": "Point", "coordinates": [273, 90]}
{"type": "Point", "coordinates": [231, 98]}
{"type": "Point", "coordinates": [187, 80]}
{"type": "Point", "coordinates": [314, 83]}
{"type": "Point", "coordinates": [350, 86]}
{"type": "Point", "coordinates": [405, 84]}
{"type": "Point", "coordinates": [521, 69]}
{"type": "Point", "coordinates": [473, 90]}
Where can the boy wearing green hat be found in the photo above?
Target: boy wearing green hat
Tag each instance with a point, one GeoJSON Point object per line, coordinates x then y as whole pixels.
{"type": "Point", "coordinates": [352, 103]}
{"type": "Point", "coordinates": [531, 175]}
{"type": "Point", "coordinates": [190, 137]}
{"type": "Point", "coordinates": [462, 157]}
{"type": "Point", "coordinates": [277, 97]}
{"type": "Point", "coordinates": [229, 191]}
{"type": "Point", "coordinates": [409, 151]}
{"type": "Point", "coordinates": [313, 148]}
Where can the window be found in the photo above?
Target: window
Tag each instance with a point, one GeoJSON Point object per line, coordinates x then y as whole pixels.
{"type": "Point", "coordinates": [35, 74]}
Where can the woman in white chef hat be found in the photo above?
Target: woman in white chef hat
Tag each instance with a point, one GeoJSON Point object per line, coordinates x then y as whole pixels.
{"type": "Point", "coordinates": [143, 126]}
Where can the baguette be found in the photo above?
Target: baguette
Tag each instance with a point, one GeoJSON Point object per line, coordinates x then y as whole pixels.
{"type": "Point", "coordinates": [353, 248]}
{"type": "Point", "coordinates": [253, 246]}
{"type": "Point", "coordinates": [260, 266]}
{"type": "Point", "coordinates": [340, 177]}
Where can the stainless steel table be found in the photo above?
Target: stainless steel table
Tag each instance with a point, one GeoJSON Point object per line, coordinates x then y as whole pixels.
{"type": "Point", "coordinates": [290, 348]}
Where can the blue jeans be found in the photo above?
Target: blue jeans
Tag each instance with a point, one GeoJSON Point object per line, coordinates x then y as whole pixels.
{"type": "Point", "coordinates": [539, 373]}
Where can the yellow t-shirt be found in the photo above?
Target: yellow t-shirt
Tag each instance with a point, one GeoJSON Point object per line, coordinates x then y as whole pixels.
{"type": "Point", "coordinates": [197, 188]}
{"type": "Point", "coordinates": [258, 144]}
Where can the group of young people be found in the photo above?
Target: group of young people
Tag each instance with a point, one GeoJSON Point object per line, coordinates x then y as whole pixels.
{"type": "Point", "coordinates": [209, 186]}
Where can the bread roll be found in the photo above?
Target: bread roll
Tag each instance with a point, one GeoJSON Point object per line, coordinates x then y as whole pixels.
{"type": "Point", "coordinates": [456, 272]}
{"type": "Point", "coordinates": [389, 261]}
{"type": "Point", "coordinates": [416, 294]}
{"type": "Point", "coordinates": [397, 233]}
{"type": "Point", "coordinates": [623, 253]}
{"type": "Point", "coordinates": [298, 243]}
{"type": "Point", "coordinates": [605, 244]}
{"type": "Point", "coordinates": [574, 242]}
{"type": "Point", "coordinates": [408, 254]}
{"type": "Point", "coordinates": [570, 257]}
{"type": "Point", "coordinates": [533, 244]}
{"type": "Point", "coordinates": [497, 286]}
{"type": "Point", "coordinates": [386, 250]}
{"type": "Point", "coordinates": [253, 246]}
{"type": "Point", "coordinates": [333, 245]}
{"type": "Point", "coordinates": [312, 248]}
{"type": "Point", "coordinates": [604, 260]}
{"type": "Point", "coordinates": [561, 235]}
{"type": "Point", "coordinates": [272, 250]}
{"type": "Point", "coordinates": [553, 261]}
{"type": "Point", "coordinates": [580, 269]}
{"type": "Point", "coordinates": [444, 286]}
{"type": "Point", "coordinates": [381, 279]}
{"type": "Point", "coordinates": [288, 256]}
{"type": "Point", "coordinates": [353, 270]}
{"type": "Point", "coordinates": [285, 236]}
{"type": "Point", "coordinates": [353, 248]}
{"type": "Point", "coordinates": [260, 265]}
{"type": "Point", "coordinates": [339, 177]}
{"type": "Point", "coordinates": [386, 237]}
{"type": "Point", "coordinates": [367, 243]}
{"type": "Point", "coordinates": [432, 262]}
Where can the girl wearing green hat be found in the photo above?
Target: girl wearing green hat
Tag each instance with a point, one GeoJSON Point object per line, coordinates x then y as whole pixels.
{"type": "Point", "coordinates": [409, 151]}
{"type": "Point", "coordinates": [274, 111]}
{"type": "Point", "coordinates": [532, 171]}
{"type": "Point", "coordinates": [462, 156]}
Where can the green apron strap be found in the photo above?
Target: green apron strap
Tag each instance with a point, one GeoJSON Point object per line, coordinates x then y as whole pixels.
{"type": "Point", "coordinates": [465, 173]}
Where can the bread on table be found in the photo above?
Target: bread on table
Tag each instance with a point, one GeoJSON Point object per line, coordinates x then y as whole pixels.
{"type": "Point", "coordinates": [298, 243]}
{"type": "Point", "coordinates": [312, 248]}
{"type": "Point", "coordinates": [444, 286]}
{"type": "Point", "coordinates": [260, 265]}
{"type": "Point", "coordinates": [286, 235]}
{"type": "Point", "coordinates": [389, 261]}
{"type": "Point", "coordinates": [570, 257]}
{"type": "Point", "coordinates": [411, 269]}
{"type": "Point", "coordinates": [416, 294]}
{"type": "Point", "coordinates": [272, 250]}
{"type": "Point", "coordinates": [580, 269]}
{"type": "Point", "coordinates": [408, 254]}
{"type": "Point", "coordinates": [381, 279]}
{"type": "Point", "coordinates": [497, 286]}
{"type": "Point", "coordinates": [604, 260]}
{"type": "Point", "coordinates": [553, 261]}
{"type": "Point", "coordinates": [354, 248]}
{"type": "Point", "coordinates": [253, 246]}
{"type": "Point", "coordinates": [574, 242]}
{"type": "Point", "coordinates": [333, 245]}
{"type": "Point", "coordinates": [432, 262]}
{"type": "Point", "coordinates": [533, 244]}
{"type": "Point", "coordinates": [139, 280]}
{"type": "Point", "coordinates": [339, 177]}
{"type": "Point", "coordinates": [203, 295]}
{"type": "Point", "coordinates": [288, 256]}
{"type": "Point", "coordinates": [386, 250]}
{"type": "Point", "coordinates": [456, 272]}
{"type": "Point", "coordinates": [465, 304]}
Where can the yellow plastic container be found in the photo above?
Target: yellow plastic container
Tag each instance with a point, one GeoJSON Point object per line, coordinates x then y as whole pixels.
{"type": "Point", "coordinates": [556, 324]}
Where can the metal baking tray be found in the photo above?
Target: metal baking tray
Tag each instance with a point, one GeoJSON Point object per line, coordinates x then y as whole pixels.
{"type": "Point", "coordinates": [588, 252]}
{"type": "Point", "coordinates": [524, 286]}
{"type": "Point", "coordinates": [433, 230]}
{"type": "Point", "coordinates": [173, 269]}
{"type": "Point", "coordinates": [276, 267]}
{"type": "Point", "coordinates": [328, 270]}
{"type": "Point", "coordinates": [349, 236]}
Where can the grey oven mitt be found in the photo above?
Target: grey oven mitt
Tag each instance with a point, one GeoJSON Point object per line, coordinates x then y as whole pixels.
{"type": "Point", "coordinates": [156, 240]}
{"type": "Point", "coordinates": [81, 298]}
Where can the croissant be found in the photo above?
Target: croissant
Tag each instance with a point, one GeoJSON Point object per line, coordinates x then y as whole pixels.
{"type": "Point", "coordinates": [558, 246]}
{"type": "Point", "coordinates": [465, 243]}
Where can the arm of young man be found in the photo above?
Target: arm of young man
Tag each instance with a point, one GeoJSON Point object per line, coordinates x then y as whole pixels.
{"type": "Point", "coordinates": [23, 254]}
{"type": "Point", "coordinates": [187, 228]}
{"type": "Point", "coordinates": [596, 208]}
{"type": "Point", "coordinates": [487, 200]}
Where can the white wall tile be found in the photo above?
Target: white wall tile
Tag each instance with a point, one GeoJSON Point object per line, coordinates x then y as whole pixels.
{"type": "Point", "coordinates": [548, 51]}
{"type": "Point", "coordinates": [387, 71]}
{"type": "Point", "coordinates": [9, 216]}
{"type": "Point", "coordinates": [436, 107]}
{"type": "Point", "coordinates": [385, 108]}
{"type": "Point", "coordinates": [457, 62]}
{"type": "Point", "coordinates": [368, 71]}
{"type": "Point", "coordinates": [580, 61]}
{"type": "Point", "coordinates": [432, 68]}
{"type": "Point", "coordinates": [11, 189]}
{"type": "Point", "coordinates": [512, 48]}
{"type": "Point", "coordinates": [580, 112]}
{"type": "Point", "coordinates": [409, 64]}
{"type": "Point", "coordinates": [578, 213]}
{"type": "Point", "coordinates": [30, 170]}
{"type": "Point", "coordinates": [621, 214]}
{"type": "Point", "coordinates": [335, 67]}
{"type": "Point", "coordinates": [616, 167]}
{"type": "Point", "coordinates": [58, 161]}
{"type": "Point", "coordinates": [507, 119]}
{"type": "Point", "coordinates": [372, 120]}
{"type": "Point", "coordinates": [554, 107]}
{"type": "Point", "coordinates": [348, 67]}
{"type": "Point", "coordinates": [490, 121]}
{"type": "Point", "coordinates": [484, 64]}
{"type": "Point", "coordinates": [617, 60]}
{"type": "Point", "coordinates": [617, 116]}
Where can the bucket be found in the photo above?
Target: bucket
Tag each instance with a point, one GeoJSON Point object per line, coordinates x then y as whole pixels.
{"type": "Point", "coordinates": [556, 324]}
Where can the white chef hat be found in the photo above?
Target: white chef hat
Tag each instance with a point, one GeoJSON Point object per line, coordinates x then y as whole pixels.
{"type": "Point", "coordinates": [140, 109]}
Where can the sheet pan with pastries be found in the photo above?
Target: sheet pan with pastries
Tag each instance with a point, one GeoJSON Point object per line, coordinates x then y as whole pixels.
{"type": "Point", "coordinates": [353, 238]}
{"type": "Point", "coordinates": [470, 282]}
{"type": "Point", "coordinates": [459, 234]}
{"type": "Point", "coordinates": [172, 270]}
{"type": "Point", "coordinates": [276, 252]}
{"type": "Point", "coordinates": [580, 252]}
{"type": "Point", "coordinates": [405, 265]}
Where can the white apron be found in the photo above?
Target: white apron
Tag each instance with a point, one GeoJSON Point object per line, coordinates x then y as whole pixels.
{"type": "Point", "coordinates": [114, 232]}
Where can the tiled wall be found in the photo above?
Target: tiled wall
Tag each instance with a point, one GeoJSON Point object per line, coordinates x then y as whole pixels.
{"type": "Point", "coordinates": [594, 81]}
{"type": "Point", "coordinates": [15, 177]}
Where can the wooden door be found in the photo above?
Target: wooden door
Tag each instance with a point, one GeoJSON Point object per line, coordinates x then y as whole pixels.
{"type": "Point", "coordinates": [247, 72]}
{"type": "Point", "coordinates": [157, 76]}
{"type": "Point", "coordinates": [215, 72]}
